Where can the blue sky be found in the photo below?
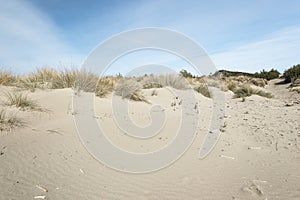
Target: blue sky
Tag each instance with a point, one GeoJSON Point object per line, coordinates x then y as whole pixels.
{"type": "Point", "coordinates": [237, 35]}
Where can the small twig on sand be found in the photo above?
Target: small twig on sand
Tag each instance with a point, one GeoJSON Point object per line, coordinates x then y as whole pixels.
{"type": "Point", "coordinates": [228, 157]}
{"type": "Point", "coordinates": [254, 148]}
{"type": "Point", "coordinates": [53, 131]}
{"type": "Point", "coordinates": [40, 197]}
{"type": "Point", "coordinates": [41, 188]}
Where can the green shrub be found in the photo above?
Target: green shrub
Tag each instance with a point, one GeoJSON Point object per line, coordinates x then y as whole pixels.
{"type": "Point", "coordinates": [293, 72]}
{"type": "Point", "coordinates": [268, 75]}
{"type": "Point", "coordinates": [185, 74]}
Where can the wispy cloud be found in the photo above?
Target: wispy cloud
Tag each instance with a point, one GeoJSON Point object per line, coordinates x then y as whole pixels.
{"type": "Point", "coordinates": [279, 50]}
{"type": "Point", "coordinates": [29, 39]}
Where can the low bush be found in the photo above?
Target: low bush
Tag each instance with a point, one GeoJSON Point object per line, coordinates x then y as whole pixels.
{"type": "Point", "coordinates": [203, 89]}
{"type": "Point", "coordinates": [293, 72]}
{"type": "Point", "coordinates": [245, 91]}
{"type": "Point", "coordinates": [130, 89]}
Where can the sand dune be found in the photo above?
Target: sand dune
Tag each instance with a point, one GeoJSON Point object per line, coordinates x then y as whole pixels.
{"type": "Point", "coordinates": [257, 156]}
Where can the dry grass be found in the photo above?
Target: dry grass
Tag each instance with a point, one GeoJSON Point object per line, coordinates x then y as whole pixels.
{"type": "Point", "coordinates": [41, 78]}
{"type": "Point", "coordinates": [9, 121]}
{"type": "Point", "coordinates": [7, 78]}
{"type": "Point", "coordinates": [170, 80]}
{"type": "Point", "coordinates": [85, 81]}
{"type": "Point", "coordinates": [154, 92]}
{"type": "Point", "coordinates": [104, 86]}
{"type": "Point", "coordinates": [242, 80]}
{"type": "Point", "coordinates": [149, 82]}
{"type": "Point", "coordinates": [130, 89]}
{"type": "Point", "coordinates": [21, 101]}
{"type": "Point", "coordinates": [53, 79]}
{"type": "Point", "coordinates": [234, 82]}
{"type": "Point", "coordinates": [246, 90]}
{"type": "Point", "coordinates": [231, 86]}
{"type": "Point", "coordinates": [203, 89]}
{"type": "Point", "coordinates": [174, 81]}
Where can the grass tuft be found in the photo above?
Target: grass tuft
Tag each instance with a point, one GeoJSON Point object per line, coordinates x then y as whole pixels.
{"type": "Point", "coordinates": [21, 101]}
{"type": "Point", "coordinates": [8, 122]}
{"type": "Point", "coordinates": [203, 89]}
{"type": "Point", "coordinates": [130, 89]}
{"type": "Point", "coordinates": [104, 86]}
{"type": "Point", "coordinates": [7, 78]}
{"type": "Point", "coordinates": [174, 81]}
{"type": "Point", "coordinates": [245, 91]}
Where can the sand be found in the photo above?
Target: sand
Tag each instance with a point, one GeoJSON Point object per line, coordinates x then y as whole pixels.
{"type": "Point", "coordinates": [256, 157]}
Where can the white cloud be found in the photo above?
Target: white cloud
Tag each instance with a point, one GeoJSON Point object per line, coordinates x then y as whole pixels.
{"type": "Point", "coordinates": [29, 39]}
{"type": "Point", "coordinates": [280, 50]}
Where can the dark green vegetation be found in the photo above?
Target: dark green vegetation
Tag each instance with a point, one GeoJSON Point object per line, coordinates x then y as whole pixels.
{"type": "Point", "coordinates": [293, 72]}
{"type": "Point", "coordinates": [268, 75]}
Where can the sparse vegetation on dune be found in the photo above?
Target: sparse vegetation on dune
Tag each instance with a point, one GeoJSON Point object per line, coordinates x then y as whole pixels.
{"type": "Point", "coordinates": [174, 81]}
{"type": "Point", "coordinates": [241, 80]}
{"type": "Point", "coordinates": [104, 86]}
{"type": "Point", "coordinates": [167, 80]}
{"type": "Point", "coordinates": [151, 81]}
{"type": "Point", "coordinates": [267, 75]}
{"type": "Point", "coordinates": [232, 83]}
{"type": "Point", "coordinates": [246, 90]}
{"type": "Point", "coordinates": [130, 89]}
{"type": "Point", "coordinates": [52, 79]}
{"type": "Point", "coordinates": [49, 78]}
{"type": "Point", "coordinates": [203, 89]}
{"type": "Point", "coordinates": [7, 78]}
{"type": "Point", "coordinates": [9, 121]}
{"type": "Point", "coordinates": [40, 79]}
{"type": "Point", "coordinates": [292, 73]}
{"type": "Point", "coordinates": [20, 100]}
{"type": "Point", "coordinates": [85, 81]}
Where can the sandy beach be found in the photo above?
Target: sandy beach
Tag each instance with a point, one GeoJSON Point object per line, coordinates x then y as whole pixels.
{"type": "Point", "coordinates": [256, 157]}
{"type": "Point", "coordinates": [149, 100]}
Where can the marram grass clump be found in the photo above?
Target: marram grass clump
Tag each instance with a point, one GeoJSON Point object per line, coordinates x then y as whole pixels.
{"type": "Point", "coordinates": [104, 86]}
{"type": "Point", "coordinates": [203, 89]}
{"type": "Point", "coordinates": [245, 91]}
{"type": "Point", "coordinates": [130, 89]}
{"type": "Point", "coordinates": [21, 101]}
{"type": "Point", "coordinates": [9, 121]}
{"type": "Point", "coordinates": [7, 78]}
